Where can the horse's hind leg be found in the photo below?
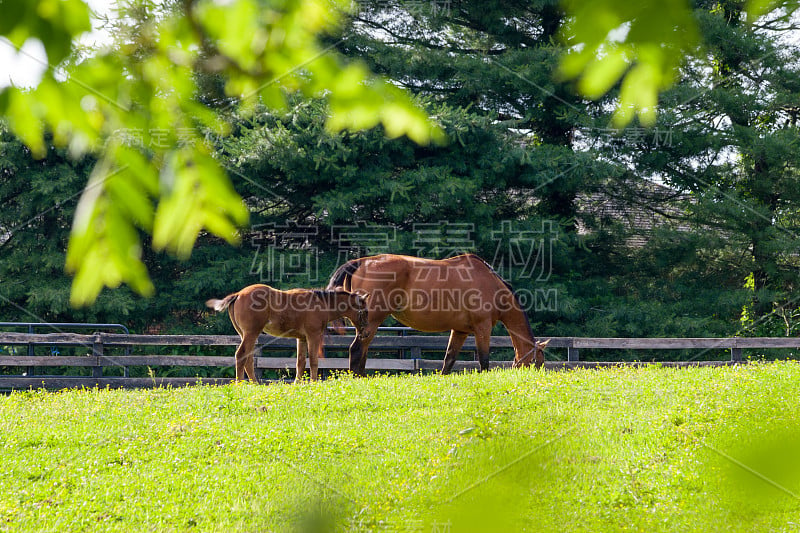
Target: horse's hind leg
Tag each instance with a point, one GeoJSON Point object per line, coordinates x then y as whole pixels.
{"type": "Point", "coordinates": [240, 362]}
{"type": "Point", "coordinates": [250, 364]}
{"type": "Point", "coordinates": [245, 359]}
{"type": "Point", "coordinates": [457, 339]}
{"type": "Point", "coordinates": [315, 351]}
{"type": "Point", "coordinates": [302, 348]}
{"type": "Point", "coordinates": [244, 353]}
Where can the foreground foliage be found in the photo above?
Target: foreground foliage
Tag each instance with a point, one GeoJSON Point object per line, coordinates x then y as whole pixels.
{"type": "Point", "coordinates": [135, 106]}
{"type": "Point", "coordinates": [649, 449]}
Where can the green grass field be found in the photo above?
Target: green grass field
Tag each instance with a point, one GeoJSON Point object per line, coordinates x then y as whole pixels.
{"type": "Point", "coordinates": [652, 449]}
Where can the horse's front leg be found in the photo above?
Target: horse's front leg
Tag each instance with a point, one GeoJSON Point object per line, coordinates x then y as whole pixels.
{"type": "Point", "coordinates": [302, 348]}
{"type": "Point", "coordinates": [358, 352]}
{"type": "Point", "coordinates": [457, 339]}
{"type": "Point", "coordinates": [360, 345]}
{"type": "Point", "coordinates": [483, 336]}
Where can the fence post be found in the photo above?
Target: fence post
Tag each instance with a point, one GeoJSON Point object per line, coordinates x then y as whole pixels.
{"type": "Point", "coordinates": [573, 354]}
{"type": "Point", "coordinates": [736, 354]}
{"type": "Point", "coordinates": [97, 352]}
{"type": "Point", "coordinates": [31, 369]}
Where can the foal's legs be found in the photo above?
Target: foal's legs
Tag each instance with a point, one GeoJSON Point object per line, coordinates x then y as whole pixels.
{"type": "Point", "coordinates": [457, 339]}
{"type": "Point", "coordinates": [244, 358]}
{"type": "Point", "coordinates": [302, 348]}
{"type": "Point", "coordinates": [245, 346]}
{"type": "Point", "coordinates": [315, 351]}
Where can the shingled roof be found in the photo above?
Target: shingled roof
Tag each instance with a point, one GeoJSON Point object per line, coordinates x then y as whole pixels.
{"type": "Point", "coordinates": [640, 206]}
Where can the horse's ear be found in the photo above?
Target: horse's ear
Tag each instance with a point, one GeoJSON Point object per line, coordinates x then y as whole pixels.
{"type": "Point", "coordinates": [544, 344]}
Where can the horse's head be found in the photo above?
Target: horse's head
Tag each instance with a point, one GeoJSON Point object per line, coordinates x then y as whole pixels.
{"type": "Point", "coordinates": [535, 355]}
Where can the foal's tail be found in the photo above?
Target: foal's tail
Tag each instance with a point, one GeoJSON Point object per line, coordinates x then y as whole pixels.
{"type": "Point", "coordinates": [220, 305]}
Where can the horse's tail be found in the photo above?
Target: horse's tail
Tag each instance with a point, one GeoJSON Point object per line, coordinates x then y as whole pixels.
{"type": "Point", "coordinates": [220, 305]}
{"type": "Point", "coordinates": [341, 277]}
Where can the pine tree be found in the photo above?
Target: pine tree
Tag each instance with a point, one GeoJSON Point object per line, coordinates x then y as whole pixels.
{"type": "Point", "coordinates": [733, 134]}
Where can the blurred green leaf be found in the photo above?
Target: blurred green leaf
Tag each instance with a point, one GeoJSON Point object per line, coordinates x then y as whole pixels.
{"type": "Point", "coordinates": [598, 31]}
{"type": "Point", "coordinates": [22, 113]}
{"type": "Point", "coordinates": [198, 197]}
{"type": "Point", "coordinates": [104, 247]}
{"type": "Point", "coordinates": [133, 201]}
{"type": "Point", "coordinates": [53, 22]}
{"type": "Point", "coordinates": [756, 8]}
{"type": "Point", "coordinates": [600, 75]}
{"type": "Point", "coordinates": [135, 107]}
{"type": "Point", "coordinates": [641, 44]}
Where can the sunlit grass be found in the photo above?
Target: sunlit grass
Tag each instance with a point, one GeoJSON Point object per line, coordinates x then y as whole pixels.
{"type": "Point", "coordinates": [589, 450]}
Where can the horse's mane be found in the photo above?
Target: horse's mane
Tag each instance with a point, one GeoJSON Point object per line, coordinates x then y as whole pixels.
{"type": "Point", "coordinates": [510, 288]}
{"type": "Point", "coordinates": [324, 294]}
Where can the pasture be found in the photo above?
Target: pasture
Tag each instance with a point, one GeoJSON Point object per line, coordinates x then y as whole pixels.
{"type": "Point", "coordinates": [614, 449]}
{"type": "Point", "coordinates": [624, 183]}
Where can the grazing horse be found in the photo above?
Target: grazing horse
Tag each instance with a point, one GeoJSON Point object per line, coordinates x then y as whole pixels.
{"type": "Point", "coordinates": [462, 294]}
{"type": "Point", "coordinates": [299, 313]}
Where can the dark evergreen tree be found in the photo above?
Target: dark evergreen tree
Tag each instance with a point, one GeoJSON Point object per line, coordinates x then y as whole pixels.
{"type": "Point", "coordinates": [39, 197]}
{"type": "Point", "coordinates": [732, 157]}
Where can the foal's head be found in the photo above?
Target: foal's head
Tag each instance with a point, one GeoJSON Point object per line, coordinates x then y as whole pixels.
{"type": "Point", "coordinates": [352, 306]}
{"type": "Point", "coordinates": [360, 305]}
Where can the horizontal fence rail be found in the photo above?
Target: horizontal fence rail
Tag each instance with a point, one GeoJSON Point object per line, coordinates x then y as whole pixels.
{"type": "Point", "coordinates": [409, 348]}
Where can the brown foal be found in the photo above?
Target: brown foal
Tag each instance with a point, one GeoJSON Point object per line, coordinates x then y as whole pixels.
{"type": "Point", "coordinates": [298, 313]}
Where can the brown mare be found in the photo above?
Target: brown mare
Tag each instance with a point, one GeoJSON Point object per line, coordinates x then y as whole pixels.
{"type": "Point", "coordinates": [462, 294]}
{"type": "Point", "coordinates": [299, 313]}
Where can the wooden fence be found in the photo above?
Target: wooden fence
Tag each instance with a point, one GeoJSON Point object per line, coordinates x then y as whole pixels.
{"type": "Point", "coordinates": [409, 352]}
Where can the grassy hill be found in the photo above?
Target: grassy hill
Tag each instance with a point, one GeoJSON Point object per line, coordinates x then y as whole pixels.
{"type": "Point", "coordinates": [649, 449]}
